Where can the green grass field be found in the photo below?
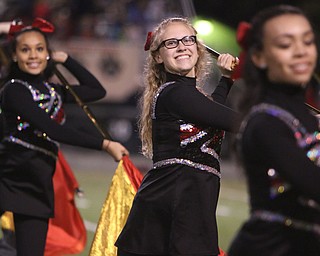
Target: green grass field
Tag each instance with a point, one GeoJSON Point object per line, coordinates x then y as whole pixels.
{"type": "Point", "coordinates": [232, 207]}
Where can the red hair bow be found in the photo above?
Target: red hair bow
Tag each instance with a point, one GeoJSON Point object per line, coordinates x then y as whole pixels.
{"type": "Point", "coordinates": [42, 24]}
{"type": "Point", "coordinates": [242, 39]}
{"type": "Point", "coordinates": [148, 41]}
{"type": "Point", "coordinates": [242, 34]}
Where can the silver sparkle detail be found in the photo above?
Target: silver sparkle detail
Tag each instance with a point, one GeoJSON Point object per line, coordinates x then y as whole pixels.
{"type": "Point", "coordinates": [186, 162]}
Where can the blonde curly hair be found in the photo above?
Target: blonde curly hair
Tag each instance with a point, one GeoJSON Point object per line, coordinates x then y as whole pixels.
{"type": "Point", "coordinates": [154, 76]}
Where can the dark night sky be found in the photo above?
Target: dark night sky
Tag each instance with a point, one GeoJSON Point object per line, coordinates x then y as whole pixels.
{"type": "Point", "coordinates": [232, 12]}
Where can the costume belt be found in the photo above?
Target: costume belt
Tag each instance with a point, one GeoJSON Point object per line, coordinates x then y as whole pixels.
{"type": "Point", "coordinates": [30, 146]}
{"type": "Point", "coordinates": [269, 216]}
{"type": "Point", "coordinates": [187, 162]}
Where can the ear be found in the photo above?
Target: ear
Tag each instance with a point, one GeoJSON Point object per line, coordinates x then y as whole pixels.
{"type": "Point", "coordinates": [259, 60]}
{"type": "Point", "coordinates": [158, 58]}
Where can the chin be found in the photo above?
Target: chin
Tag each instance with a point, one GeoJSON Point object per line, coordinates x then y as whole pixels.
{"type": "Point", "coordinates": [34, 72]}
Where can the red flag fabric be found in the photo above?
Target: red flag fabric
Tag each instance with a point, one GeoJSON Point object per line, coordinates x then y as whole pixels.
{"type": "Point", "coordinates": [66, 233]}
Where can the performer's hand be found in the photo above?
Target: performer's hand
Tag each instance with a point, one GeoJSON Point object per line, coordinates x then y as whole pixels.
{"type": "Point", "coordinates": [59, 56]}
{"type": "Point", "coordinates": [5, 27]}
{"type": "Point", "coordinates": [115, 149]}
{"type": "Point", "coordinates": [226, 63]}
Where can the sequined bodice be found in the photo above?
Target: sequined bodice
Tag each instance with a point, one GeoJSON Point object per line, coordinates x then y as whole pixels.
{"type": "Point", "coordinates": [181, 142]}
{"type": "Point", "coordinates": [310, 142]}
{"type": "Point", "coordinates": [21, 132]}
{"type": "Point", "coordinates": [286, 204]}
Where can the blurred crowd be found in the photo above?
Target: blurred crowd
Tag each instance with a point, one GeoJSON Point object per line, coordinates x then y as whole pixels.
{"type": "Point", "coordinates": [108, 19]}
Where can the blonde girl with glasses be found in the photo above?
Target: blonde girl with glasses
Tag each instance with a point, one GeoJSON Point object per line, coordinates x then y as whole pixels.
{"type": "Point", "coordinates": [181, 130]}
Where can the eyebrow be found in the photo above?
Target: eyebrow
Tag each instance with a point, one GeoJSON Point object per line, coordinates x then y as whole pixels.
{"type": "Point", "coordinates": [309, 32]}
{"type": "Point", "coordinates": [39, 44]}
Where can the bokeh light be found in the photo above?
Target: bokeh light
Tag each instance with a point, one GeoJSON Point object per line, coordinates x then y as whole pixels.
{"type": "Point", "coordinates": [217, 35]}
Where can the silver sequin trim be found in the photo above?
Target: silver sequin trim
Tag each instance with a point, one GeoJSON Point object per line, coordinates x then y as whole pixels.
{"type": "Point", "coordinates": [205, 149]}
{"type": "Point", "coordinates": [187, 162]}
{"type": "Point", "coordinates": [30, 146]}
{"type": "Point", "coordinates": [287, 221]}
{"type": "Point", "coordinates": [276, 111]}
{"type": "Point", "coordinates": [193, 138]}
{"type": "Point", "coordinates": [37, 97]}
{"type": "Point", "coordinates": [155, 98]}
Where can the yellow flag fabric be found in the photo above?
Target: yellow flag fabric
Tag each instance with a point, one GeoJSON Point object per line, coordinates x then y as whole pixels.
{"type": "Point", "coordinates": [116, 208]}
{"type": "Point", "coordinates": [7, 221]}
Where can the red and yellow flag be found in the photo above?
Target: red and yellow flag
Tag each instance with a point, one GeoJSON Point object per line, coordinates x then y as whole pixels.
{"type": "Point", "coordinates": [124, 185]}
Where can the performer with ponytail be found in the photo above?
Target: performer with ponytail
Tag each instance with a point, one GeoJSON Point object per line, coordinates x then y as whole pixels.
{"type": "Point", "coordinates": [32, 110]}
{"type": "Point", "coordinates": [279, 139]}
{"type": "Point", "coordinates": [173, 212]}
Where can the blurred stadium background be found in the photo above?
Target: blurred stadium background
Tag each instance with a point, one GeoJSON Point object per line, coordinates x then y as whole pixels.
{"type": "Point", "coordinates": [107, 36]}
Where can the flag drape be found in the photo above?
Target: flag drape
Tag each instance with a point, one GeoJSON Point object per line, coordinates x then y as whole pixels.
{"type": "Point", "coordinates": [116, 207]}
{"type": "Point", "coordinates": [67, 233]}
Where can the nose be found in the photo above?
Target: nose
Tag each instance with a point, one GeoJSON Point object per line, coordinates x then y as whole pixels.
{"type": "Point", "coordinates": [33, 54]}
{"type": "Point", "coordinates": [181, 46]}
{"type": "Point", "coordinates": [300, 49]}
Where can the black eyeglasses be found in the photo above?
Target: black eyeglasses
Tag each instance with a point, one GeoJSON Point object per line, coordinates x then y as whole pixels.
{"type": "Point", "coordinates": [173, 42]}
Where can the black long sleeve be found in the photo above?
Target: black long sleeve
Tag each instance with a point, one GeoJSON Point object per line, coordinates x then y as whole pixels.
{"type": "Point", "coordinates": [189, 104]}
{"type": "Point", "coordinates": [17, 100]}
{"type": "Point", "coordinates": [88, 89]}
{"type": "Point", "coordinates": [222, 90]}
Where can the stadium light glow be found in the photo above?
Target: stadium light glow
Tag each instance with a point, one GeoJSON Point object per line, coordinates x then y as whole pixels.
{"type": "Point", "coordinates": [204, 27]}
{"type": "Point", "coordinates": [217, 35]}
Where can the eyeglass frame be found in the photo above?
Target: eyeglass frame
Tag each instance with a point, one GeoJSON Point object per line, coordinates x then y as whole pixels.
{"type": "Point", "coordinates": [163, 43]}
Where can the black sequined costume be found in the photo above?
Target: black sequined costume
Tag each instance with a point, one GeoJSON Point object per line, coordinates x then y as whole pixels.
{"type": "Point", "coordinates": [174, 209]}
{"type": "Point", "coordinates": [280, 147]}
{"type": "Point", "coordinates": [33, 125]}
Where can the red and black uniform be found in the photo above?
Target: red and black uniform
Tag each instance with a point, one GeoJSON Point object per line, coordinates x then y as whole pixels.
{"type": "Point", "coordinates": [32, 112]}
{"type": "Point", "coordinates": [174, 209]}
{"type": "Point", "coordinates": [280, 145]}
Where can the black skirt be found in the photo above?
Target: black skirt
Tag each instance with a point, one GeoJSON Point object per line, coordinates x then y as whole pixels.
{"type": "Point", "coordinates": [26, 181]}
{"type": "Point", "coordinates": [173, 213]}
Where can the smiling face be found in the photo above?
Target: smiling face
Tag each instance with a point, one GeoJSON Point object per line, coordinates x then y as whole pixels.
{"type": "Point", "coordinates": [289, 52]}
{"type": "Point", "coordinates": [31, 52]}
{"type": "Point", "coordinates": [182, 59]}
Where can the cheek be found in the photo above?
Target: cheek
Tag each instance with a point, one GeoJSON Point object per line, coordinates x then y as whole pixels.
{"type": "Point", "coordinates": [277, 61]}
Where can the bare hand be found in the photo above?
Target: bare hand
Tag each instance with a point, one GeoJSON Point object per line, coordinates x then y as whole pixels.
{"type": "Point", "coordinates": [59, 56]}
{"type": "Point", "coordinates": [5, 27]}
{"type": "Point", "coordinates": [115, 149]}
{"type": "Point", "coordinates": [226, 63]}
